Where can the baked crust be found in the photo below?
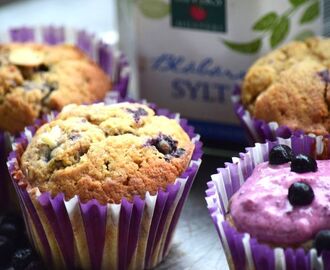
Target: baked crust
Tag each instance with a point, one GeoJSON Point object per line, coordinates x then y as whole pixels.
{"type": "Point", "coordinates": [290, 86]}
{"type": "Point", "coordinates": [36, 78]}
{"type": "Point", "coordinates": [107, 153]}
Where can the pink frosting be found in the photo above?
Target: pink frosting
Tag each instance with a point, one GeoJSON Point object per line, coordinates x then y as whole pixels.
{"type": "Point", "coordinates": [261, 206]}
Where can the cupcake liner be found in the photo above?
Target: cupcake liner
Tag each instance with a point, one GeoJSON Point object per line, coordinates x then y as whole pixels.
{"type": "Point", "coordinates": [259, 130]}
{"type": "Point", "coordinates": [242, 250]}
{"type": "Point", "coordinates": [111, 60]}
{"type": "Point", "coordinates": [76, 235]}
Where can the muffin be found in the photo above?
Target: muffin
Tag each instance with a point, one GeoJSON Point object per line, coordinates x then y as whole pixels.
{"type": "Point", "coordinates": [106, 153]}
{"type": "Point", "coordinates": [37, 78]}
{"type": "Point", "coordinates": [288, 86]}
{"type": "Point", "coordinates": [114, 176]}
{"type": "Point", "coordinates": [275, 205]}
{"type": "Point", "coordinates": [35, 87]}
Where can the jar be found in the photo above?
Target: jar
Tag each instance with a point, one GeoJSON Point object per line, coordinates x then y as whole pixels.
{"type": "Point", "coordinates": [189, 54]}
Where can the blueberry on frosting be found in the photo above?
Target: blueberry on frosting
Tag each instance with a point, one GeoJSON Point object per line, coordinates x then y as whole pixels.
{"type": "Point", "coordinates": [300, 194]}
{"type": "Point", "coordinates": [322, 241]}
{"type": "Point", "coordinates": [280, 154]}
{"type": "Point", "coordinates": [302, 163]}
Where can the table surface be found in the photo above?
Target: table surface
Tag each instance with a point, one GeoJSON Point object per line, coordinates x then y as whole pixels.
{"type": "Point", "coordinates": [196, 244]}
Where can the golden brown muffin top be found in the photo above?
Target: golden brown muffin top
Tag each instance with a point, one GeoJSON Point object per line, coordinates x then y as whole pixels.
{"type": "Point", "coordinates": [35, 79]}
{"type": "Point", "coordinates": [290, 86]}
{"type": "Point", "coordinates": [107, 152]}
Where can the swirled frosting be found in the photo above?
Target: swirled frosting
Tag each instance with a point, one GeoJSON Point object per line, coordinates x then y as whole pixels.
{"type": "Point", "coordinates": [261, 206]}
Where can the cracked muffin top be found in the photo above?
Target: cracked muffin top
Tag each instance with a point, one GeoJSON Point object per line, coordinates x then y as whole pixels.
{"type": "Point", "coordinates": [106, 152]}
{"type": "Point", "coordinates": [35, 79]}
{"type": "Point", "coordinates": [290, 86]}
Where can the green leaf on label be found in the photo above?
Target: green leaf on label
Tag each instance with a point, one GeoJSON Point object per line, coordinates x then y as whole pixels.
{"type": "Point", "coordinates": [154, 9]}
{"type": "Point", "coordinates": [245, 47]}
{"type": "Point", "coordinates": [311, 13]}
{"type": "Point", "coordinates": [304, 34]}
{"type": "Point", "coordinates": [297, 3]}
{"type": "Point", "coordinates": [265, 22]}
{"type": "Point", "coordinates": [280, 31]}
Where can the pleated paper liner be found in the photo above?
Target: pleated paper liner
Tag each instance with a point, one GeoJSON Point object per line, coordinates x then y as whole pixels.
{"type": "Point", "coordinates": [130, 235]}
{"type": "Point", "coordinates": [242, 250]}
{"type": "Point", "coordinates": [112, 61]}
{"type": "Point", "coordinates": [258, 130]}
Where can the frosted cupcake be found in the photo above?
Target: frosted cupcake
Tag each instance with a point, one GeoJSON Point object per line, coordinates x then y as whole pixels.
{"type": "Point", "coordinates": [103, 186]}
{"type": "Point", "coordinates": [271, 206]}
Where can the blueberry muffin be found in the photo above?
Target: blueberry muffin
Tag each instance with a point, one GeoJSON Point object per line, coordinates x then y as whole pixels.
{"type": "Point", "coordinates": [290, 86]}
{"type": "Point", "coordinates": [106, 153]}
{"type": "Point", "coordinates": [285, 202]}
{"type": "Point", "coordinates": [35, 79]}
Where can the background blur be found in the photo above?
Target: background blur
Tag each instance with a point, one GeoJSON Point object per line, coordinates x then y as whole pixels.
{"type": "Point", "coordinates": [94, 15]}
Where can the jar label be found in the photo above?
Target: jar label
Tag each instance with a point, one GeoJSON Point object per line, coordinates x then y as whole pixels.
{"type": "Point", "coordinates": [207, 15]}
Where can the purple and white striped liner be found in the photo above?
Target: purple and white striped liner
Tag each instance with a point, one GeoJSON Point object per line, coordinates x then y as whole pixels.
{"type": "Point", "coordinates": [259, 130]}
{"type": "Point", "coordinates": [111, 60]}
{"type": "Point", "coordinates": [242, 250]}
{"type": "Point", "coordinates": [130, 235]}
